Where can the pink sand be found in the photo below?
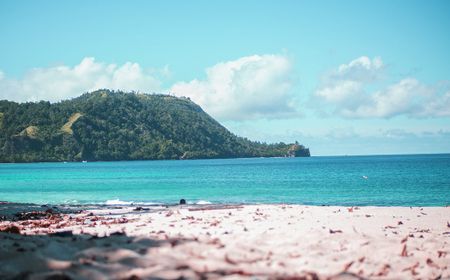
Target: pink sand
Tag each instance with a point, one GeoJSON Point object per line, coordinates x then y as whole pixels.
{"type": "Point", "coordinates": [262, 241]}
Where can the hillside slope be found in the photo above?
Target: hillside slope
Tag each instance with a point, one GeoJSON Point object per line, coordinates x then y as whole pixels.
{"type": "Point", "coordinates": [108, 125]}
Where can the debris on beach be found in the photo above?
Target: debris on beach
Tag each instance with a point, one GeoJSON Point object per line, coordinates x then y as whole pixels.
{"type": "Point", "coordinates": [10, 229]}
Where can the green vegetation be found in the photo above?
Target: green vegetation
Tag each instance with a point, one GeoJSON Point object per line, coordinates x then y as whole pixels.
{"type": "Point", "coordinates": [109, 125]}
{"type": "Point", "coordinates": [1, 120]}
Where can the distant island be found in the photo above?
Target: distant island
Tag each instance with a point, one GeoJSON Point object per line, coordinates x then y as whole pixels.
{"type": "Point", "coordinates": [110, 125]}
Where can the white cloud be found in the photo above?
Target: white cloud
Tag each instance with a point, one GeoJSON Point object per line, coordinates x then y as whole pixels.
{"type": "Point", "coordinates": [340, 92]}
{"type": "Point", "coordinates": [249, 87]}
{"type": "Point", "coordinates": [439, 107]}
{"type": "Point", "coordinates": [345, 92]}
{"type": "Point", "coordinates": [405, 97]}
{"type": "Point", "coordinates": [344, 86]}
{"type": "Point", "coordinates": [257, 86]}
{"type": "Point", "coordinates": [362, 68]}
{"type": "Point", "coordinates": [62, 82]}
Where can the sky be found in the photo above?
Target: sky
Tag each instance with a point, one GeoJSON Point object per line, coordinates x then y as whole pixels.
{"type": "Point", "coordinates": [341, 77]}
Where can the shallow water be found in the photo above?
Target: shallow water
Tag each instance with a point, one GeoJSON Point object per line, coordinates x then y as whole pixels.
{"type": "Point", "coordinates": [406, 180]}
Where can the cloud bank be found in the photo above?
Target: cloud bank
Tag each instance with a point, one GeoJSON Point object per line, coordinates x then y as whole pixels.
{"type": "Point", "coordinates": [384, 141]}
{"type": "Point", "coordinates": [345, 91]}
{"type": "Point", "coordinates": [251, 87]}
{"type": "Point", "coordinates": [62, 82]}
{"type": "Point", "coordinates": [257, 86]}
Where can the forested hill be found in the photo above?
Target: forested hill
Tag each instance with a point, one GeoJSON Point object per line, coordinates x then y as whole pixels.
{"type": "Point", "coordinates": [108, 125]}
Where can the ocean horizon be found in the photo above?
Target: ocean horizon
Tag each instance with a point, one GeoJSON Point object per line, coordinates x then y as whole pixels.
{"type": "Point", "coordinates": [352, 180]}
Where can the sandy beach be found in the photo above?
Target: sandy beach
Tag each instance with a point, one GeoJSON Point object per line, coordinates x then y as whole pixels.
{"type": "Point", "coordinates": [227, 242]}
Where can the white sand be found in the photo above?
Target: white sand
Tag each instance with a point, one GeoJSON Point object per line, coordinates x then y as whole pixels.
{"type": "Point", "coordinates": [263, 241]}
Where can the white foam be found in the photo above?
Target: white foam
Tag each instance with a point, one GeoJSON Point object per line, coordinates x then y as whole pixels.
{"type": "Point", "coordinates": [203, 202]}
{"type": "Point", "coordinates": [118, 202]}
{"type": "Point", "coordinates": [121, 202]}
{"type": "Point", "coordinates": [70, 201]}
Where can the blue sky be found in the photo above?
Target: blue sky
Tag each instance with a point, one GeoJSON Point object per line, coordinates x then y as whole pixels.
{"type": "Point", "coordinates": [342, 77]}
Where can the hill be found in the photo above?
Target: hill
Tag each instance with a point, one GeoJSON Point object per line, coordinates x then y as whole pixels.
{"type": "Point", "coordinates": [109, 125]}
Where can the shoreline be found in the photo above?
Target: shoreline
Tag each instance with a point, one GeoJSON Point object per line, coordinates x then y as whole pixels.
{"type": "Point", "coordinates": [190, 203]}
{"type": "Point", "coordinates": [266, 241]}
{"type": "Point", "coordinates": [165, 159]}
{"type": "Point", "coordinates": [225, 158]}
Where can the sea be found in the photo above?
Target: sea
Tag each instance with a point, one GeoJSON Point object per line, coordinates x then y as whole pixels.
{"type": "Point", "coordinates": [386, 180]}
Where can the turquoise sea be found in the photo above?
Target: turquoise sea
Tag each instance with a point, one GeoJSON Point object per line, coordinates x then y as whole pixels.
{"type": "Point", "coordinates": [408, 180]}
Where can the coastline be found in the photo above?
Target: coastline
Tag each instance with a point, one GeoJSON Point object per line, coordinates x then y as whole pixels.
{"type": "Point", "coordinates": [266, 241]}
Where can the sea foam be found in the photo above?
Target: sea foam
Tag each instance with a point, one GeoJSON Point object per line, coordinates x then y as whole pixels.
{"type": "Point", "coordinates": [203, 202]}
{"type": "Point", "coordinates": [118, 202]}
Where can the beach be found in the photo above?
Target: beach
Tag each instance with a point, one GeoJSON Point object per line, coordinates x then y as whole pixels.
{"type": "Point", "coordinates": [224, 241]}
